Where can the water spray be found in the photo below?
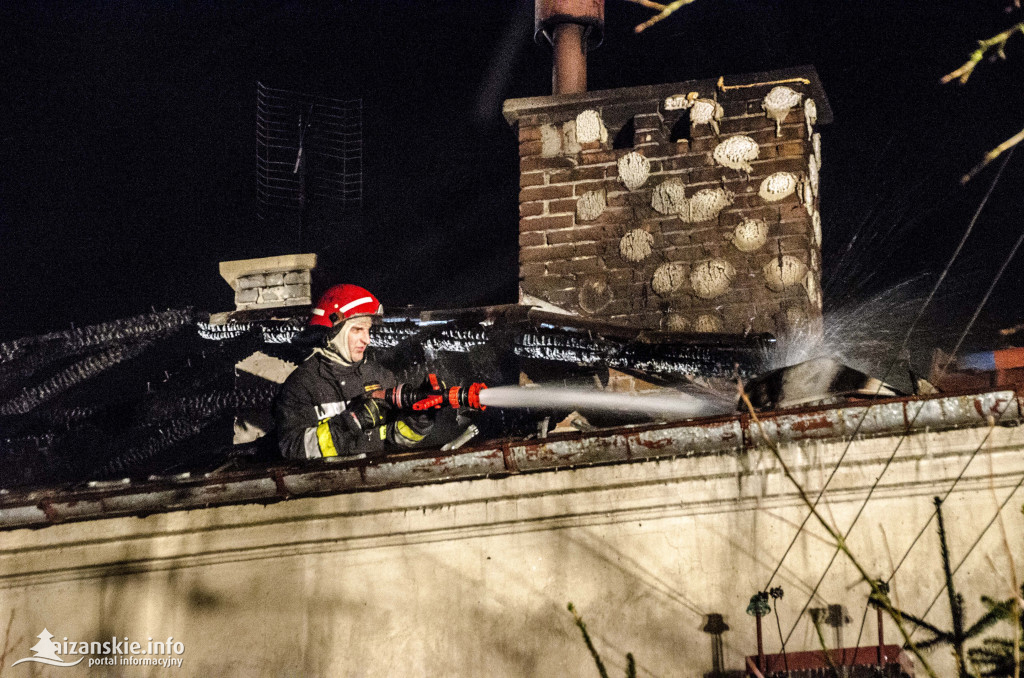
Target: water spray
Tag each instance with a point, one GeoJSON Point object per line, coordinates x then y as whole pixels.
{"type": "Point", "coordinates": [675, 405]}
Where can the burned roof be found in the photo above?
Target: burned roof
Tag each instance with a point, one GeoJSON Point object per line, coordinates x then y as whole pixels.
{"type": "Point", "coordinates": [156, 394]}
{"type": "Point", "coordinates": [137, 415]}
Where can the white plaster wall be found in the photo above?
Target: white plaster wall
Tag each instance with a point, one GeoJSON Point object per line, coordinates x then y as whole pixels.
{"type": "Point", "coordinates": [472, 578]}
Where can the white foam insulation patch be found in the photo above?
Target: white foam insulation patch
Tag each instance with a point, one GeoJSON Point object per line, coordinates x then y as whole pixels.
{"type": "Point", "coordinates": [590, 205]}
{"type": "Point", "coordinates": [633, 170]}
{"type": "Point", "coordinates": [266, 367]}
{"type": "Point", "coordinates": [708, 322]}
{"type": "Point", "coordinates": [676, 322]}
{"type": "Point", "coordinates": [750, 235]}
{"type": "Point", "coordinates": [706, 112]}
{"type": "Point", "coordinates": [669, 197]}
{"type": "Point", "coordinates": [810, 115]}
{"type": "Point", "coordinates": [784, 271]}
{"type": "Point", "coordinates": [594, 296]}
{"type": "Point", "coordinates": [778, 186]}
{"type": "Point", "coordinates": [590, 127]}
{"type": "Point", "coordinates": [711, 278]}
{"type": "Point", "coordinates": [636, 245]}
{"type": "Point", "coordinates": [668, 278]}
{"type": "Point", "coordinates": [778, 103]}
{"type": "Point", "coordinates": [706, 204]}
{"type": "Point", "coordinates": [736, 153]}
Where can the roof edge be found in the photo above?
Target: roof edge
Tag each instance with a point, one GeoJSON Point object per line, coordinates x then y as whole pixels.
{"type": "Point", "coordinates": [718, 435]}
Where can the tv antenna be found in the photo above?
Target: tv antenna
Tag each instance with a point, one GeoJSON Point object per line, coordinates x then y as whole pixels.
{"type": "Point", "coordinates": [309, 159]}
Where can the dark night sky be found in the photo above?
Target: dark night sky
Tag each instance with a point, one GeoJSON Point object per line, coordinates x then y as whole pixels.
{"type": "Point", "coordinates": [128, 131]}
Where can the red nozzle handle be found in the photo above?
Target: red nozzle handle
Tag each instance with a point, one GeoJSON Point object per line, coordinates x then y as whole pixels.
{"type": "Point", "coordinates": [428, 403]}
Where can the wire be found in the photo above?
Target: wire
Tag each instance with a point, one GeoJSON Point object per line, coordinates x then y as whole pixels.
{"type": "Point", "coordinates": [928, 522]}
{"type": "Point", "coordinates": [892, 364]}
{"type": "Point", "coordinates": [778, 625]}
{"type": "Point", "coordinates": [288, 94]}
{"type": "Point", "coordinates": [860, 511]}
{"type": "Point", "coordinates": [868, 498]}
{"type": "Point", "coordinates": [863, 622]}
{"type": "Point", "coordinates": [946, 495]}
{"type": "Point", "coordinates": [984, 299]}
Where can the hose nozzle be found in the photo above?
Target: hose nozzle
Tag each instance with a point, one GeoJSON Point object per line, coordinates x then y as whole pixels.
{"type": "Point", "coordinates": [408, 397]}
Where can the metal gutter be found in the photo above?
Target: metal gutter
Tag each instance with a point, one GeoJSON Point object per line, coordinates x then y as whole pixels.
{"type": "Point", "coordinates": [721, 435]}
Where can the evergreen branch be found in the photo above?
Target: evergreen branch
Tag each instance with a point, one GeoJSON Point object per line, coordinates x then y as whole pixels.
{"type": "Point", "coordinates": [998, 650]}
{"type": "Point", "coordinates": [997, 612]}
{"type": "Point", "coordinates": [956, 607]}
{"type": "Point", "coordinates": [586, 639]}
{"type": "Point", "coordinates": [924, 625]}
{"type": "Point", "coordinates": [996, 656]}
{"type": "Point", "coordinates": [1018, 633]}
{"type": "Point", "coordinates": [942, 639]}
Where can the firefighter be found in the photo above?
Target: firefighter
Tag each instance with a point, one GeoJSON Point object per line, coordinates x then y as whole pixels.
{"type": "Point", "coordinates": [325, 407]}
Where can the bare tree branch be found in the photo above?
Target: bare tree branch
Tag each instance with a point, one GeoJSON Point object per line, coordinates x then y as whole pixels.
{"type": "Point", "coordinates": [648, 4]}
{"type": "Point", "coordinates": [992, 155]}
{"type": "Point", "coordinates": [664, 13]}
{"type": "Point", "coordinates": [997, 45]}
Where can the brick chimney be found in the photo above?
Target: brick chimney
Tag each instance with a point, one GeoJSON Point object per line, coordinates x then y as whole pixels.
{"type": "Point", "coordinates": [690, 206]}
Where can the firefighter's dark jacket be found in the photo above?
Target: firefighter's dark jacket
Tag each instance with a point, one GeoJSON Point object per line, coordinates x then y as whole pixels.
{"type": "Point", "coordinates": [311, 418]}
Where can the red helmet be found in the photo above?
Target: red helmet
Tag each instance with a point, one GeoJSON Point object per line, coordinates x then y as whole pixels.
{"type": "Point", "coordinates": [341, 302]}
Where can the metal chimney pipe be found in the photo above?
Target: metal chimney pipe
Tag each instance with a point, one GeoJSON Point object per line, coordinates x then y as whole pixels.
{"type": "Point", "coordinates": [571, 27]}
{"type": "Point", "coordinates": [569, 69]}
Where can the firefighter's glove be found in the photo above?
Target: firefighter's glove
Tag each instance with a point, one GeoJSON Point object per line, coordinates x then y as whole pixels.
{"type": "Point", "coordinates": [366, 412]}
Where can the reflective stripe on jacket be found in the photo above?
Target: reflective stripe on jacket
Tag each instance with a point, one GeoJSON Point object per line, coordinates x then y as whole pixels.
{"type": "Point", "coordinates": [310, 412]}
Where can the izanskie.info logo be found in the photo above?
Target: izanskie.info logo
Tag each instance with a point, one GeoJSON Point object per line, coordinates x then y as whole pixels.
{"type": "Point", "coordinates": [113, 652]}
